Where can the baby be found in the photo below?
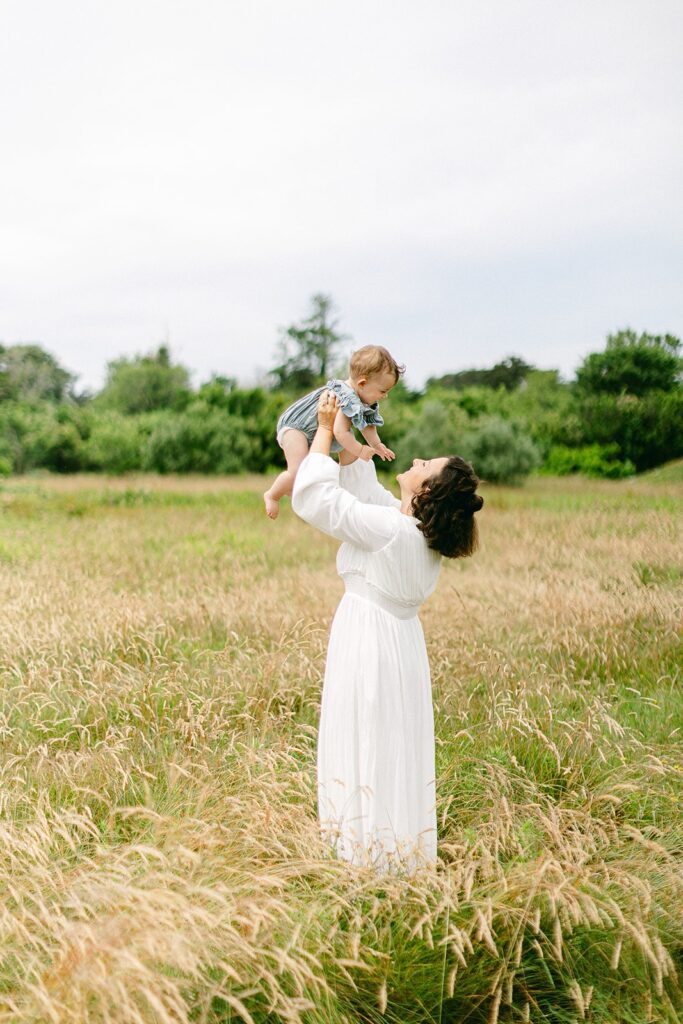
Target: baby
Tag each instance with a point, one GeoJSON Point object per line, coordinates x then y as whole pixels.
{"type": "Point", "coordinates": [373, 372]}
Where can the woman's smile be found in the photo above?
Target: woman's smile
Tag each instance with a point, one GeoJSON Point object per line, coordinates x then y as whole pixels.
{"type": "Point", "coordinates": [420, 471]}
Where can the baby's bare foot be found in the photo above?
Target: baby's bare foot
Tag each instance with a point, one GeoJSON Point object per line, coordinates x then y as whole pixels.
{"type": "Point", "coordinates": [272, 506]}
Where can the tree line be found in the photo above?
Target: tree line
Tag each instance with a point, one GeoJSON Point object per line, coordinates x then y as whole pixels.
{"type": "Point", "coordinates": [622, 412]}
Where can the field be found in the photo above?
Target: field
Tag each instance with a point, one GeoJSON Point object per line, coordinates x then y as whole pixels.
{"type": "Point", "coordinates": [162, 652]}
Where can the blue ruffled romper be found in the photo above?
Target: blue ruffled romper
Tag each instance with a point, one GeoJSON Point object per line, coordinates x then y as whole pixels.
{"type": "Point", "coordinates": [303, 414]}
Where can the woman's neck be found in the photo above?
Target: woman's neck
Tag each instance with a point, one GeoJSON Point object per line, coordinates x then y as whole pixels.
{"type": "Point", "coordinates": [406, 500]}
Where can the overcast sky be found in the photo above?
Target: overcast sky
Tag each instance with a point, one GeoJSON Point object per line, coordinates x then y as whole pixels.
{"type": "Point", "coordinates": [467, 180]}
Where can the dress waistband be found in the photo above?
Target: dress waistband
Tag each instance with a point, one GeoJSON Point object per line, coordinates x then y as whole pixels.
{"type": "Point", "coordinates": [357, 585]}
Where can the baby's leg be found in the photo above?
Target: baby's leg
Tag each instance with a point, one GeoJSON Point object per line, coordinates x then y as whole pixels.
{"type": "Point", "coordinates": [295, 447]}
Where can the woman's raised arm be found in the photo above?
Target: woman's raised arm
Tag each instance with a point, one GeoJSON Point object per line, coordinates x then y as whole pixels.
{"type": "Point", "coordinates": [360, 479]}
{"type": "Point", "coordinates": [319, 500]}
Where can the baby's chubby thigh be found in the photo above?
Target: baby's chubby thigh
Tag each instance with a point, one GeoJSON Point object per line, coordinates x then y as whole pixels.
{"type": "Point", "coordinates": [295, 445]}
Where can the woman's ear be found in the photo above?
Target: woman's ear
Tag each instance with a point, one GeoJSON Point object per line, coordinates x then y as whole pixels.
{"type": "Point", "coordinates": [422, 493]}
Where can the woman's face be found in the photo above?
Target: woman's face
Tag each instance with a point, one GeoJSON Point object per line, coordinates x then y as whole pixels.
{"type": "Point", "coordinates": [421, 471]}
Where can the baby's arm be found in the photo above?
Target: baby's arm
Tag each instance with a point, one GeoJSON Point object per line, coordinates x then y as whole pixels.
{"type": "Point", "coordinates": [345, 436]}
{"type": "Point", "coordinates": [372, 437]}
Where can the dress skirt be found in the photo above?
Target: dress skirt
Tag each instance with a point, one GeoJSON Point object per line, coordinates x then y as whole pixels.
{"type": "Point", "coordinates": [376, 755]}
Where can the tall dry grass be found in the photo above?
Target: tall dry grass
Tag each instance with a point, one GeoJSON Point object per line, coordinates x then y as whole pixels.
{"type": "Point", "coordinates": [162, 652]}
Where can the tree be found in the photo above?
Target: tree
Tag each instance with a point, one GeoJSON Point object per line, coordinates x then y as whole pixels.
{"type": "Point", "coordinates": [549, 408]}
{"type": "Point", "coordinates": [509, 373]}
{"type": "Point", "coordinates": [647, 430]}
{"type": "Point", "coordinates": [306, 350]}
{"type": "Point", "coordinates": [29, 372]}
{"type": "Point", "coordinates": [632, 364]}
{"type": "Point", "coordinates": [145, 383]}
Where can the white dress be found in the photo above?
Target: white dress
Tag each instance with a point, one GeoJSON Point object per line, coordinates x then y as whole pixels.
{"type": "Point", "coordinates": [376, 755]}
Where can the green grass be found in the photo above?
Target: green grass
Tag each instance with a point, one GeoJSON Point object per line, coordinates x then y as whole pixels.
{"type": "Point", "coordinates": [670, 473]}
{"type": "Point", "coordinates": [161, 656]}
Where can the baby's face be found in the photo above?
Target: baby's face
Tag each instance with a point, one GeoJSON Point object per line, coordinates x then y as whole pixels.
{"type": "Point", "coordinates": [377, 387]}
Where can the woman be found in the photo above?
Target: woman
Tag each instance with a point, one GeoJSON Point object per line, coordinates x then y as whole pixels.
{"type": "Point", "coordinates": [376, 757]}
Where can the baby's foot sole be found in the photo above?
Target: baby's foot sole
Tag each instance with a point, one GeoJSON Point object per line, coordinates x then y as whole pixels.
{"type": "Point", "coordinates": [272, 506]}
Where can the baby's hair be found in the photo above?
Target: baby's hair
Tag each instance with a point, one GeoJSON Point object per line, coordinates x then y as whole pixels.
{"type": "Point", "coordinates": [373, 359]}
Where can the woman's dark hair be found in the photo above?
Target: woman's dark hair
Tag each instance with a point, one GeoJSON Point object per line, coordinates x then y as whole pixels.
{"type": "Point", "coordinates": [445, 508]}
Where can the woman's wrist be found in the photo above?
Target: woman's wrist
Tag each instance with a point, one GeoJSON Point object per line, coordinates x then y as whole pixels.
{"type": "Point", "coordinates": [322, 441]}
{"type": "Point", "coordinates": [328, 406]}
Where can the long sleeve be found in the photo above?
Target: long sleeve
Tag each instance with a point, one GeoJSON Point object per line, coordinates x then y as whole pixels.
{"type": "Point", "coordinates": [360, 479]}
{"type": "Point", "coordinates": [319, 500]}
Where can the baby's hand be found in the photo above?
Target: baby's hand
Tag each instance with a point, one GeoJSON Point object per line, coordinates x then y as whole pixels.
{"type": "Point", "coordinates": [383, 452]}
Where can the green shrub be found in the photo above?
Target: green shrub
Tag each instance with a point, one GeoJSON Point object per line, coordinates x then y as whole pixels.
{"type": "Point", "coordinates": [591, 460]}
{"type": "Point", "coordinates": [647, 431]}
{"type": "Point", "coordinates": [201, 440]}
{"type": "Point", "coordinates": [13, 426]}
{"type": "Point", "coordinates": [500, 450]}
{"type": "Point", "coordinates": [43, 435]}
{"type": "Point", "coordinates": [6, 456]}
{"type": "Point", "coordinates": [435, 431]}
{"type": "Point", "coordinates": [548, 408]}
{"type": "Point", "coordinates": [50, 444]}
{"type": "Point", "coordinates": [115, 442]}
{"type": "Point", "coordinates": [5, 459]}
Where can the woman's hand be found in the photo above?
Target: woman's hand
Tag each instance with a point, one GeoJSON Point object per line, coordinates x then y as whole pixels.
{"type": "Point", "coordinates": [328, 404]}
